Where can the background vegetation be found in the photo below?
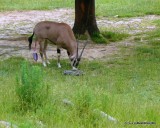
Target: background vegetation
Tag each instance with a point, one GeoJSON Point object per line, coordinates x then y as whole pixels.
{"type": "Point", "coordinates": [122, 8]}
{"type": "Point", "coordinates": [126, 86]}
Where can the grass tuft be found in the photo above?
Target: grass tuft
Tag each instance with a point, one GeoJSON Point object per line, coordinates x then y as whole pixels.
{"type": "Point", "coordinates": [99, 38]}
{"type": "Point", "coordinates": [113, 37]}
{"type": "Point", "coordinates": [107, 36]}
{"type": "Point", "coordinates": [30, 87]}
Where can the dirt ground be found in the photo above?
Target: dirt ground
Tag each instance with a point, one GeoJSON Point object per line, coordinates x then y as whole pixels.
{"type": "Point", "coordinates": [16, 25]}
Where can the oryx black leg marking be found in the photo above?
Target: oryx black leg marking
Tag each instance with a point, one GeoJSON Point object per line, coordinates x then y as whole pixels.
{"type": "Point", "coordinates": [58, 51]}
{"type": "Point", "coordinates": [68, 53]}
{"type": "Point", "coordinates": [58, 54]}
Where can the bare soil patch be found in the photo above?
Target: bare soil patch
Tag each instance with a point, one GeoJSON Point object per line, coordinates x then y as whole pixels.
{"type": "Point", "coordinates": [16, 25]}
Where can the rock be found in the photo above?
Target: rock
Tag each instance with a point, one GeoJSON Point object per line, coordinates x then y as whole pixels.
{"type": "Point", "coordinates": [67, 102]}
{"type": "Point", "coordinates": [4, 124]}
{"type": "Point", "coordinates": [105, 115]}
{"type": "Point", "coordinates": [40, 124]}
{"type": "Point", "coordinates": [116, 16]}
{"type": "Point", "coordinates": [73, 72]}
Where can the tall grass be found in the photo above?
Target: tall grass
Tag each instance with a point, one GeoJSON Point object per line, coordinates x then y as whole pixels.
{"type": "Point", "coordinates": [126, 88]}
{"type": "Point", "coordinates": [30, 87]}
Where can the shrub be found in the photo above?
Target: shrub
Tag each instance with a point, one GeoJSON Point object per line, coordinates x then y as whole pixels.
{"type": "Point", "coordinates": [30, 86]}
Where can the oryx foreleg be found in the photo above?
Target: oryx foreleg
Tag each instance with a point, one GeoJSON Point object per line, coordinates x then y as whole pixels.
{"type": "Point", "coordinates": [58, 57]}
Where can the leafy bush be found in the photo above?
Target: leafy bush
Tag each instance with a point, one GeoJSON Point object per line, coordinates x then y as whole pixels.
{"type": "Point", "coordinates": [30, 86]}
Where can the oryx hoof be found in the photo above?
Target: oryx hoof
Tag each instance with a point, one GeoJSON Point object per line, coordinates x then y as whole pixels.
{"type": "Point", "coordinates": [73, 68]}
{"type": "Point", "coordinates": [44, 64]}
{"type": "Point", "coordinates": [48, 62]}
{"type": "Point", "coordinates": [59, 65]}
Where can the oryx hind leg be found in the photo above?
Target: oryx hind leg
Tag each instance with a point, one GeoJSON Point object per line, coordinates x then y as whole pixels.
{"type": "Point", "coordinates": [45, 55]}
{"type": "Point", "coordinates": [58, 57]}
{"type": "Point", "coordinates": [41, 51]}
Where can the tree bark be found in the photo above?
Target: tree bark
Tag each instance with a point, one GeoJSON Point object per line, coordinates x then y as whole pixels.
{"type": "Point", "coordinates": [85, 17]}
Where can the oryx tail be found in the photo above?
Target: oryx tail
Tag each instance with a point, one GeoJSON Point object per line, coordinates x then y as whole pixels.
{"type": "Point", "coordinates": [30, 41]}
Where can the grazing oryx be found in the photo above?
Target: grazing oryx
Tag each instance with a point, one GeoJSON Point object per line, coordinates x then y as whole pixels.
{"type": "Point", "coordinates": [59, 34]}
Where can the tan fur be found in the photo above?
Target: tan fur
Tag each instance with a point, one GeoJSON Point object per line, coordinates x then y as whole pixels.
{"type": "Point", "coordinates": [59, 34]}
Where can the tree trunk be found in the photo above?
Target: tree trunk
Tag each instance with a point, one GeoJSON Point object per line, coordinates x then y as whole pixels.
{"type": "Point", "coordinates": [85, 17]}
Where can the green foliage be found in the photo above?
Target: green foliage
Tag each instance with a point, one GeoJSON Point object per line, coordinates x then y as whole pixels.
{"type": "Point", "coordinates": [30, 86]}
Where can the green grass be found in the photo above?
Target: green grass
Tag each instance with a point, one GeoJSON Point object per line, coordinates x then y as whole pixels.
{"type": "Point", "coordinates": [105, 37]}
{"type": "Point", "coordinates": [127, 8]}
{"type": "Point", "coordinates": [157, 22]}
{"type": "Point", "coordinates": [113, 37]}
{"type": "Point", "coordinates": [34, 4]}
{"type": "Point", "coordinates": [126, 88]}
{"type": "Point", "coordinates": [122, 8]}
{"type": "Point", "coordinates": [30, 87]}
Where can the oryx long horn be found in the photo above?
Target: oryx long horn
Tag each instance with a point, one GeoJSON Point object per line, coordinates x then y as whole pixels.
{"type": "Point", "coordinates": [77, 50]}
{"type": "Point", "coordinates": [82, 51]}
